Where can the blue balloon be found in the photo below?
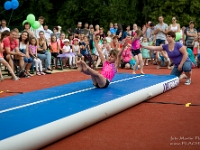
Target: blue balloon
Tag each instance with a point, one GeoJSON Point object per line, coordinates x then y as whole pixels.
{"type": "Point", "coordinates": [7, 5]}
{"type": "Point", "coordinates": [14, 4]}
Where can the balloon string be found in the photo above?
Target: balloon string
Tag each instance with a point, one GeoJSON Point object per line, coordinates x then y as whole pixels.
{"type": "Point", "coordinates": [10, 17]}
{"type": "Point", "coordinates": [2, 12]}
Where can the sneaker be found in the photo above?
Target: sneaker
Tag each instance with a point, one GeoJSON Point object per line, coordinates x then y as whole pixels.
{"type": "Point", "coordinates": [15, 78]}
{"type": "Point", "coordinates": [188, 82]}
{"type": "Point", "coordinates": [38, 73]}
{"type": "Point", "coordinates": [42, 73]}
{"type": "Point", "coordinates": [158, 67]}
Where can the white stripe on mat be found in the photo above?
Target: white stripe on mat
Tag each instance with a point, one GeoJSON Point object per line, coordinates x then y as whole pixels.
{"type": "Point", "coordinates": [64, 95]}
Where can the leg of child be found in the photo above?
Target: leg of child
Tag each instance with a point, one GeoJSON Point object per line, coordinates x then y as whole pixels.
{"type": "Point", "coordinates": [74, 60]}
{"type": "Point", "coordinates": [141, 63]}
{"type": "Point", "coordinates": [97, 78]}
{"type": "Point", "coordinates": [70, 61]}
{"type": "Point", "coordinates": [4, 62]}
{"type": "Point", "coordinates": [147, 61]}
{"type": "Point", "coordinates": [40, 65]}
{"type": "Point", "coordinates": [136, 63]}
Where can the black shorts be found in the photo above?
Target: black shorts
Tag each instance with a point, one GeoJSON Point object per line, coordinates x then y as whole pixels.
{"type": "Point", "coordinates": [135, 52]}
{"type": "Point", "coordinates": [54, 54]}
{"type": "Point", "coordinates": [124, 64]}
{"type": "Point", "coordinates": [105, 86]}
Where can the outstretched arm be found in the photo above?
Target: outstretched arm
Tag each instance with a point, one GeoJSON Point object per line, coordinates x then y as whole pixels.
{"type": "Point", "coordinates": [99, 51]}
{"type": "Point", "coordinates": [155, 48]}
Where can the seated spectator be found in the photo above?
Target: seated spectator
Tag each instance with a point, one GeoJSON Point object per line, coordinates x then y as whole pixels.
{"type": "Point", "coordinates": [54, 49]}
{"type": "Point", "coordinates": [127, 58]}
{"type": "Point", "coordinates": [23, 47]}
{"type": "Point", "coordinates": [162, 60]}
{"type": "Point", "coordinates": [43, 53]}
{"type": "Point", "coordinates": [109, 37]}
{"type": "Point", "coordinates": [76, 49]}
{"type": "Point", "coordinates": [55, 32]}
{"type": "Point", "coordinates": [105, 48]}
{"type": "Point", "coordinates": [5, 63]}
{"type": "Point", "coordinates": [11, 47]}
{"type": "Point", "coordinates": [60, 41]}
{"type": "Point", "coordinates": [191, 56]}
{"type": "Point", "coordinates": [34, 56]}
{"type": "Point", "coordinates": [85, 51]}
{"type": "Point", "coordinates": [115, 43]}
{"type": "Point", "coordinates": [3, 26]}
{"type": "Point", "coordinates": [67, 53]}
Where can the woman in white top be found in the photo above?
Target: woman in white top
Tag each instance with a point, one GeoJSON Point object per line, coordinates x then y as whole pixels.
{"type": "Point", "coordinates": [175, 27]}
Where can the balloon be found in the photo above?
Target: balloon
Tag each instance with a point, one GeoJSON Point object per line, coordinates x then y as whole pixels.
{"type": "Point", "coordinates": [178, 36]}
{"type": "Point", "coordinates": [30, 18]}
{"type": "Point", "coordinates": [35, 25]}
{"type": "Point", "coordinates": [14, 4]}
{"type": "Point", "coordinates": [7, 5]}
{"type": "Point", "coordinates": [25, 21]}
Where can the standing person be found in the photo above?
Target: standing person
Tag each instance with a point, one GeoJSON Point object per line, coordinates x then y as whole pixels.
{"type": "Point", "coordinates": [135, 27]}
{"type": "Point", "coordinates": [119, 32]}
{"type": "Point", "coordinates": [47, 33]}
{"type": "Point", "coordinates": [160, 30]}
{"type": "Point", "coordinates": [86, 29]}
{"type": "Point", "coordinates": [77, 31]}
{"type": "Point", "coordinates": [146, 29]}
{"type": "Point", "coordinates": [191, 33]}
{"type": "Point", "coordinates": [178, 54]}
{"type": "Point", "coordinates": [145, 52]}
{"type": "Point", "coordinates": [175, 27]}
{"type": "Point", "coordinates": [11, 46]}
{"type": "Point", "coordinates": [34, 56]}
{"type": "Point", "coordinates": [101, 32]}
{"type": "Point", "coordinates": [109, 69]}
{"type": "Point", "coordinates": [27, 27]}
{"type": "Point", "coordinates": [43, 53]}
{"type": "Point", "coordinates": [136, 51]}
{"type": "Point", "coordinates": [3, 26]}
{"type": "Point", "coordinates": [97, 29]}
{"type": "Point", "coordinates": [23, 47]}
{"type": "Point", "coordinates": [36, 31]}
{"type": "Point", "coordinates": [128, 31]}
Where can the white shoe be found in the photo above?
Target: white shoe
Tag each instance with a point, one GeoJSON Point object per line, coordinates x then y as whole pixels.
{"type": "Point", "coordinates": [158, 67]}
{"type": "Point", "coordinates": [188, 82]}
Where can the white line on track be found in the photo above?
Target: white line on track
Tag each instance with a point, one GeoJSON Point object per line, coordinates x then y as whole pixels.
{"type": "Point", "coordinates": [64, 95]}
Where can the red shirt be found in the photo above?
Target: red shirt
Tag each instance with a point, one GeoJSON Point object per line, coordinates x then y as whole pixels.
{"type": "Point", "coordinates": [11, 44]}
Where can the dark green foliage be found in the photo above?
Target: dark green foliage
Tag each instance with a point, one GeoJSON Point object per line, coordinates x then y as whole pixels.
{"type": "Point", "coordinates": [67, 13]}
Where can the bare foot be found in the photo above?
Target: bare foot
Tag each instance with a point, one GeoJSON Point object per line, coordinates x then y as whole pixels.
{"type": "Point", "coordinates": [133, 72]}
{"type": "Point", "coordinates": [85, 67]}
{"type": "Point", "coordinates": [80, 68]}
{"type": "Point", "coordinates": [142, 72]}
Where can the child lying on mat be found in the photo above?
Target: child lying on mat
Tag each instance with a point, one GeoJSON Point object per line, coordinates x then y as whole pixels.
{"type": "Point", "coordinates": [109, 69]}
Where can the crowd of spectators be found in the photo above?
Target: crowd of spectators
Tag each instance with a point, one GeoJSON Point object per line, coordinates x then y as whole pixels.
{"type": "Point", "coordinates": [41, 50]}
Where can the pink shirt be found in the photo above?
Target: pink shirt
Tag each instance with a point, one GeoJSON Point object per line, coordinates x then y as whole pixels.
{"type": "Point", "coordinates": [33, 49]}
{"type": "Point", "coordinates": [136, 44]}
{"type": "Point", "coordinates": [127, 55]}
{"type": "Point", "coordinates": [108, 70]}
